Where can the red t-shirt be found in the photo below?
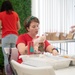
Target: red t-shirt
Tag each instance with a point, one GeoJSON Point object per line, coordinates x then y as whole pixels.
{"type": "Point", "coordinates": [25, 38]}
{"type": "Point", "coordinates": [9, 23]}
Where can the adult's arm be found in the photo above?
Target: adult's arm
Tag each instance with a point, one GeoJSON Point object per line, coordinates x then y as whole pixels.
{"type": "Point", "coordinates": [18, 25]}
{"type": "Point", "coordinates": [22, 48]}
{"type": "Point", "coordinates": [0, 24]}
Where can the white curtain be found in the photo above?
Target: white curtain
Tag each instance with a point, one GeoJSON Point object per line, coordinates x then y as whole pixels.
{"type": "Point", "coordinates": [55, 16]}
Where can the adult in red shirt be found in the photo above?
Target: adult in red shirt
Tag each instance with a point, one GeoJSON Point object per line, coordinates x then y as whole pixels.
{"type": "Point", "coordinates": [9, 24]}
{"type": "Point", "coordinates": [32, 26]}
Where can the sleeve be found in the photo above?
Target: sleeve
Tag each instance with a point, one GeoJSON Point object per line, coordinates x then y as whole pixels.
{"type": "Point", "coordinates": [47, 44]}
{"type": "Point", "coordinates": [20, 40]}
{"type": "Point", "coordinates": [17, 16]}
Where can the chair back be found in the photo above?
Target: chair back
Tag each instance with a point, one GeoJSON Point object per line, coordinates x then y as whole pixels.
{"type": "Point", "coordinates": [22, 69]}
{"type": "Point", "coordinates": [14, 53]}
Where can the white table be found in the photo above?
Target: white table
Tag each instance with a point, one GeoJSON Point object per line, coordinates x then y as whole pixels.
{"type": "Point", "coordinates": [66, 71]}
{"type": "Point", "coordinates": [70, 70]}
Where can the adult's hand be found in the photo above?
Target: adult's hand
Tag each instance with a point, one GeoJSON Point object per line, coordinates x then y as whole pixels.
{"type": "Point", "coordinates": [55, 52]}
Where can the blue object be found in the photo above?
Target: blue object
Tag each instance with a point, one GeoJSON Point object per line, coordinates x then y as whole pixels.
{"type": "Point", "coordinates": [31, 49]}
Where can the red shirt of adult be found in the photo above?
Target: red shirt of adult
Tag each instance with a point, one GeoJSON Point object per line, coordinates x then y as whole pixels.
{"type": "Point", "coordinates": [9, 23]}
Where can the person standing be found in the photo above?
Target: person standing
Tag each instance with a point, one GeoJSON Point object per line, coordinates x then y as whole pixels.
{"type": "Point", "coordinates": [10, 25]}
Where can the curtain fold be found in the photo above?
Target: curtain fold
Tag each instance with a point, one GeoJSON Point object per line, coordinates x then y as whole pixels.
{"type": "Point", "coordinates": [55, 16]}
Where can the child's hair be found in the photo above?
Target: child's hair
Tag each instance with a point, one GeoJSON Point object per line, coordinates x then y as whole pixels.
{"type": "Point", "coordinates": [29, 20]}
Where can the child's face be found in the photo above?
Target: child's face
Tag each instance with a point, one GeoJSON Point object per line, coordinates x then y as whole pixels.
{"type": "Point", "coordinates": [34, 27]}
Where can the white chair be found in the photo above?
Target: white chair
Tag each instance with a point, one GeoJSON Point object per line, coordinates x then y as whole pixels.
{"type": "Point", "coordinates": [14, 53]}
{"type": "Point", "coordinates": [14, 56]}
{"type": "Point", "coordinates": [23, 69]}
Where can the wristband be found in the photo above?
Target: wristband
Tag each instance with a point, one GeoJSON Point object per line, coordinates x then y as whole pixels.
{"type": "Point", "coordinates": [55, 49]}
